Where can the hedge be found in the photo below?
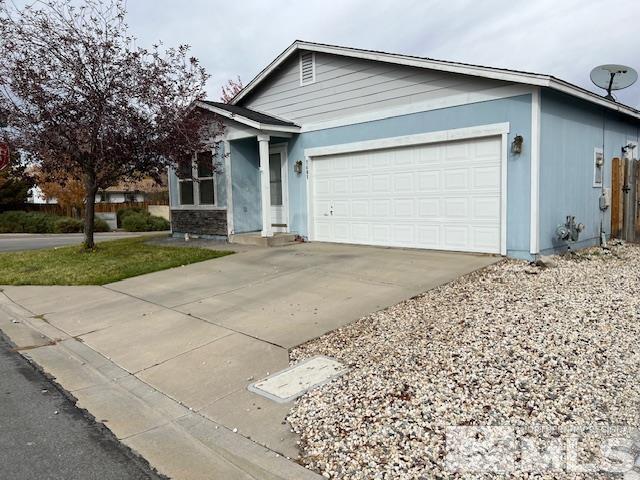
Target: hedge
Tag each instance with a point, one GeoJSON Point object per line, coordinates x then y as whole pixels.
{"type": "Point", "coordinates": [36, 222]}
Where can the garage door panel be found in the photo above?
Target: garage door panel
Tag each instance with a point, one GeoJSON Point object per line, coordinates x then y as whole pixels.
{"type": "Point", "coordinates": [487, 147]}
{"type": "Point", "coordinates": [456, 236]}
{"type": "Point", "coordinates": [428, 181]}
{"type": "Point", "coordinates": [486, 208]}
{"type": "Point", "coordinates": [404, 208]}
{"type": "Point", "coordinates": [380, 183]}
{"type": "Point", "coordinates": [456, 207]}
{"type": "Point", "coordinates": [360, 184]}
{"type": "Point", "coordinates": [456, 179]}
{"type": "Point", "coordinates": [486, 177]}
{"type": "Point", "coordinates": [426, 155]}
{"type": "Point", "coordinates": [403, 182]}
{"type": "Point", "coordinates": [429, 207]}
{"type": "Point", "coordinates": [439, 196]}
{"type": "Point", "coordinates": [402, 234]}
{"type": "Point", "coordinates": [428, 235]}
{"type": "Point", "coordinates": [485, 239]}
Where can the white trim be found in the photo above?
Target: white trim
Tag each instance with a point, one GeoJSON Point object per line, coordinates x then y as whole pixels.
{"type": "Point", "coordinates": [313, 69]}
{"type": "Point", "coordinates": [504, 184]}
{"type": "Point", "coordinates": [197, 207]}
{"type": "Point", "coordinates": [534, 79]}
{"type": "Point", "coordinates": [436, 104]}
{"type": "Point", "coordinates": [248, 122]}
{"type": "Point", "coordinates": [408, 140]}
{"type": "Point", "coordinates": [480, 131]}
{"type": "Point", "coordinates": [265, 186]}
{"type": "Point", "coordinates": [534, 229]}
{"type": "Point", "coordinates": [229, 183]}
{"type": "Point", "coordinates": [284, 169]}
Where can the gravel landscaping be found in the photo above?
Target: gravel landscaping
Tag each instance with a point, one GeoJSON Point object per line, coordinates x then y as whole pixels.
{"type": "Point", "coordinates": [551, 352]}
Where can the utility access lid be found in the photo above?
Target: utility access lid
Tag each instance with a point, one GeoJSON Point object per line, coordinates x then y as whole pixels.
{"type": "Point", "coordinates": [613, 77]}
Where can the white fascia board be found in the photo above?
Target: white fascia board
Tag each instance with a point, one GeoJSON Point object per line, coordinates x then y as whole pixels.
{"type": "Point", "coordinates": [247, 121]}
{"type": "Point", "coordinates": [409, 140]}
{"type": "Point", "coordinates": [565, 87]}
{"type": "Point", "coordinates": [533, 79]}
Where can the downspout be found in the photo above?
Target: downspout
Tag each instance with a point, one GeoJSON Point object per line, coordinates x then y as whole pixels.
{"type": "Point", "coordinates": [534, 240]}
{"type": "Point", "coordinates": [603, 234]}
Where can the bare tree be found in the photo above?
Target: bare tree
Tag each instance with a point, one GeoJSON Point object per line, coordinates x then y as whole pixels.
{"type": "Point", "coordinates": [80, 97]}
{"type": "Point", "coordinates": [231, 89]}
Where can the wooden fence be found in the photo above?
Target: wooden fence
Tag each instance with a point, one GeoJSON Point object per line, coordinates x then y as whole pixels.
{"type": "Point", "coordinates": [625, 199]}
{"type": "Point", "coordinates": [56, 209]}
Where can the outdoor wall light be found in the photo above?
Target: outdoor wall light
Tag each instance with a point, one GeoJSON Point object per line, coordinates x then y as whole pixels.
{"type": "Point", "coordinates": [297, 167]}
{"type": "Point", "coordinates": [516, 145]}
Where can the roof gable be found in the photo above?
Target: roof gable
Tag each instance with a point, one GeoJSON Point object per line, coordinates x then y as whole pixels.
{"type": "Point", "coordinates": [514, 76]}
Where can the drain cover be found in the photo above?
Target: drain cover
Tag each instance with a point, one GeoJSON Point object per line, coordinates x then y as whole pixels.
{"type": "Point", "coordinates": [289, 384]}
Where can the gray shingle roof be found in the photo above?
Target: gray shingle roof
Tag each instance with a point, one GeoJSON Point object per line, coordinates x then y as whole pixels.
{"type": "Point", "coordinates": [250, 114]}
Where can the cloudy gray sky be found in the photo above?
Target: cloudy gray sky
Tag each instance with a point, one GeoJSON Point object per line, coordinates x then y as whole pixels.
{"type": "Point", "coordinates": [565, 38]}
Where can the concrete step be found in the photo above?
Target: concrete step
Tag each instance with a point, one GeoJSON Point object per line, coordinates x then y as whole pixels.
{"type": "Point", "coordinates": [254, 238]}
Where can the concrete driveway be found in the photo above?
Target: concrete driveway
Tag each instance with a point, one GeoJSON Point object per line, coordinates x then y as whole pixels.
{"type": "Point", "coordinates": [201, 333]}
{"type": "Point", "coordinates": [13, 242]}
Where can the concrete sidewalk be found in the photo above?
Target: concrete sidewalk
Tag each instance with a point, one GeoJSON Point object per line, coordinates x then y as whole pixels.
{"type": "Point", "coordinates": [165, 358]}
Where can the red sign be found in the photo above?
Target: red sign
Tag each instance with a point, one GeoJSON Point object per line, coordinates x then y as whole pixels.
{"type": "Point", "coordinates": [4, 156]}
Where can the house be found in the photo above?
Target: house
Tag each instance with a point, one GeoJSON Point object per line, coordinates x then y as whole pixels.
{"type": "Point", "coordinates": [145, 190]}
{"type": "Point", "coordinates": [354, 146]}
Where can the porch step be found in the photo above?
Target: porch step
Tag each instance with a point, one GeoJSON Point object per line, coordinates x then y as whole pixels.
{"type": "Point", "coordinates": [254, 238]}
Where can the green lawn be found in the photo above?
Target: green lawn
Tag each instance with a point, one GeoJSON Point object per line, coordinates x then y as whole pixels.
{"type": "Point", "coordinates": [110, 262]}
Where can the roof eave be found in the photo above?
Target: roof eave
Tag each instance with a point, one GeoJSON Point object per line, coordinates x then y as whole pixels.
{"type": "Point", "coordinates": [247, 121]}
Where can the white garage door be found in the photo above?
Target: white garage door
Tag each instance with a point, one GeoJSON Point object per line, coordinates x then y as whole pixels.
{"type": "Point", "coordinates": [443, 196]}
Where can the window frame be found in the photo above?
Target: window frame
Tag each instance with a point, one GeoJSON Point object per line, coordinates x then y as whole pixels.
{"type": "Point", "coordinates": [598, 151]}
{"type": "Point", "coordinates": [196, 205]}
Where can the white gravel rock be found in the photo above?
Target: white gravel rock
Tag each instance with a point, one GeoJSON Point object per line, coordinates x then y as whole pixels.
{"type": "Point", "coordinates": [516, 345]}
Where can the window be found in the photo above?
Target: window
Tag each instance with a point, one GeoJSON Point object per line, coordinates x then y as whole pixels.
{"type": "Point", "coordinates": [598, 166]}
{"type": "Point", "coordinates": [196, 181]}
{"type": "Point", "coordinates": [307, 68]}
{"type": "Point", "coordinates": [204, 170]}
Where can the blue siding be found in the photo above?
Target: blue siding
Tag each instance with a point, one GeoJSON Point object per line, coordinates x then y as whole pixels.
{"type": "Point", "coordinates": [245, 175]}
{"type": "Point", "coordinates": [570, 130]}
{"type": "Point", "coordinates": [516, 110]}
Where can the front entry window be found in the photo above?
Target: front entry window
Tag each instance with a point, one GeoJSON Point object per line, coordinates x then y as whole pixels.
{"type": "Point", "coordinates": [275, 172]}
{"type": "Point", "coordinates": [197, 181]}
{"type": "Point", "coordinates": [205, 178]}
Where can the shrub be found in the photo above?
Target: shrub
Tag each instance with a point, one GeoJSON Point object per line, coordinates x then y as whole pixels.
{"type": "Point", "coordinates": [124, 212]}
{"type": "Point", "coordinates": [158, 224]}
{"type": "Point", "coordinates": [27, 222]}
{"type": "Point", "coordinates": [100, 225]}
{"type": "Point", "coordinates": [141, 222]}
{"type": "Point", "coordinates": [135, 222]}
{"type": "Point", "coordinates": [67, 225]}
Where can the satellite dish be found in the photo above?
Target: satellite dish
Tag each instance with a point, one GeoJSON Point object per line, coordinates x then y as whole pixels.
{"type": "Point", "coordinates": [613, 77]}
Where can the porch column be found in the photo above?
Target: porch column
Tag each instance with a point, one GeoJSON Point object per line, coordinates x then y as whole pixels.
{"type": "Point", "coordinates": [265, 184]}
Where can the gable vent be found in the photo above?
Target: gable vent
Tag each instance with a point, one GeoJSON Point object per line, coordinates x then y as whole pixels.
{"type": "Point", "coordinates": [307, 68]}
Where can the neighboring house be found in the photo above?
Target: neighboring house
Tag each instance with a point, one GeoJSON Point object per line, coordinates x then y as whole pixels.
{"type": "Point", "coordinates": [355, 146]}
{"type": "Point", "coordinates": [145, 190]}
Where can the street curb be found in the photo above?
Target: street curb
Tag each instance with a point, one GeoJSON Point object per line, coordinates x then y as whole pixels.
{"type": "Point", "coordinates": [64, 360]}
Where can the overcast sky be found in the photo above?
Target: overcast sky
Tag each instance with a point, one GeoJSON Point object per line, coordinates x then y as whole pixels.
{"type": "Point", "coordinates": [565, 38]}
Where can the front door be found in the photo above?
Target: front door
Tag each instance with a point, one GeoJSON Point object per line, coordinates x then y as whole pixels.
{"type": "Point", "coordinates": [278, 186]}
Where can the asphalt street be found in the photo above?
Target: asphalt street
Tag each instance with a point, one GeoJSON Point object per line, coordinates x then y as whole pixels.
{"type": "Point", "coordinates": [13, 242]}
{"type": "Point", "coordinates": [44, 436]}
